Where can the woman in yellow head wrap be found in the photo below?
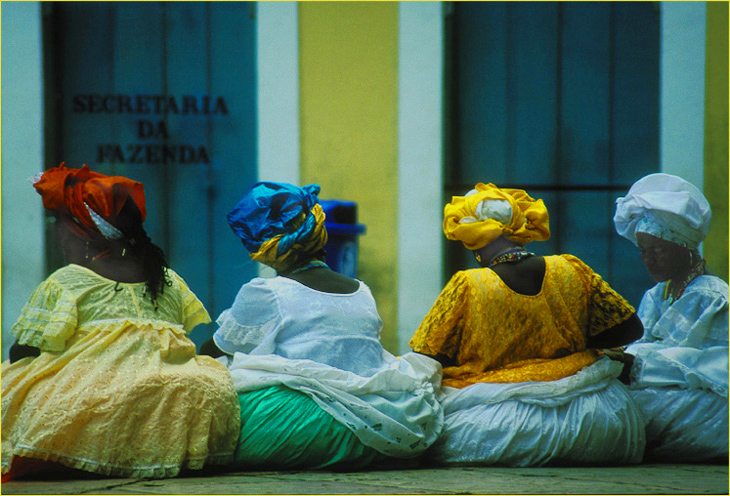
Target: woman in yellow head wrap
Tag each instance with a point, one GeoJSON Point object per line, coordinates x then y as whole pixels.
{"type": "Point", "coordinates": [316, 388]}
{"type": "Point", "coordinates": [521, 385]}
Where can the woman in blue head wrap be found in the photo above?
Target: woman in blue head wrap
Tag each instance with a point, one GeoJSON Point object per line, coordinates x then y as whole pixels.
{"type": "Point", "coordinates": [281, 225]}
{"type": "Point", "coordinates": [315, 385]}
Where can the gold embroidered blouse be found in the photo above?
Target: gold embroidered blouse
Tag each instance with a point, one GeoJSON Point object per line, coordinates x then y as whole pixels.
{"type": "Point", "coordinates": [497, 335]}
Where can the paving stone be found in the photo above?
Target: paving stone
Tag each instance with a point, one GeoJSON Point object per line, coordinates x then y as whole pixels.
{"type": "Point", "coordinates": [641, 479]}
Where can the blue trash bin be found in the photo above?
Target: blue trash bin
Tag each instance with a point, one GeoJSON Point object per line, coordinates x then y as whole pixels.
{"type": "Point", "coordinates": [342, 234]}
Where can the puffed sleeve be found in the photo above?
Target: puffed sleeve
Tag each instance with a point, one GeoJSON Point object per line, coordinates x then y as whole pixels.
{"type": "Point", "coordinates": [193, 311]}
{"type": "Point", "coordinates": [48, 319]}
{"type": "Point", "coordinates": [606, 308]}
{"type": "Point", "coordinates": [251, 322]}
{"type": "Point", "coordinates": [440, 331]}
{"type": "Point", "coordinates": [698, 319]}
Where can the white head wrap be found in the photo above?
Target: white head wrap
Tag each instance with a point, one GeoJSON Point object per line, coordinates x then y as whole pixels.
{"type": "Point", "coordinates": [489, 208]}
{"type": "Point", "coordinates": [664, 206]}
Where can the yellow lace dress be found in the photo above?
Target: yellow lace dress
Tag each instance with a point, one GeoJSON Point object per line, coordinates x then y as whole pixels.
{"type": "Point", "coordinates": [117, 388]}
{"type": "Point", "coordinates": [497, 335]}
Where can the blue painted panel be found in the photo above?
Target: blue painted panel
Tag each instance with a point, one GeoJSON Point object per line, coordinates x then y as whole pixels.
{"type": "Point", "coordinates": [482, 115]}
{"type": "Point", "coordinates": [233, 73]}
{"type": "Point", "coordinates": [193, 65]}
{"type": "Point", "coordinates": [585, 93]}
{"type": "Point", "coordinates": [560, 98]}
{"type": "Point", "coordinates": [532, 142]}
{"type": "Point", "coordinates": [635, 110]}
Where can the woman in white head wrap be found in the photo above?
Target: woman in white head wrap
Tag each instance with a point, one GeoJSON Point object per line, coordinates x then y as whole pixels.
{"type": "Point", "coordinates": [679, 376]}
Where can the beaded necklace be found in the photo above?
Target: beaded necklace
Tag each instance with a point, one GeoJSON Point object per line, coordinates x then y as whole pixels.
{"type": "Point", "coordinates": [673, 292]}
{"type": "Point", "coordinates": [310, 265]}
{"type": "Point", "coordinates": [510, 256]}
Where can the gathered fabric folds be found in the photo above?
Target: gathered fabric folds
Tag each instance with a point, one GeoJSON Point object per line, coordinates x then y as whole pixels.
{"type": "Point", "coordinates": [679, 379]}
{"type": "Point", "coordinates": [394, 411]}
{"type": "Point", "coordinates": [325, 347]}
{"type": "Point", "coordinates": [585, 419]}
{"type": "Point", "coordinates": [117, 389]}
{"type": "Point", "coordinates": [284, 428]}
{"type": "Point", "coordinates": [523, 389]}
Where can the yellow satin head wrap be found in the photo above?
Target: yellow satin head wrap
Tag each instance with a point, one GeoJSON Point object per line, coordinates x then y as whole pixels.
{"type": "Point", "coordinates": [304, 246]}
{"type": "Point", "coordinates": [488, 212]}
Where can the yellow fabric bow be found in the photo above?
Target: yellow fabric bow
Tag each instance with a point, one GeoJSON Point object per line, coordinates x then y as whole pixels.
{"type": "Point", "coordinates": [477, 223]}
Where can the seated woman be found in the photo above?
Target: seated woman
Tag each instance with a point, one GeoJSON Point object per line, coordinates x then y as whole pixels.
{"type": "Point", "coordinates": [520, 385]}
{"type": "Point", "coordinates": [102, 377]}
{"type": "Point", "coordinates": [679, 378]}
{"type": "Point", "coordinates": [316, 388]}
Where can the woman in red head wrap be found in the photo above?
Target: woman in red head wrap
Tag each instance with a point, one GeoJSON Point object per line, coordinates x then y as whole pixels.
{"type": "Point", "coordinates": [103, 217]}
{"type": "Point", "coordinates": [102, 377]}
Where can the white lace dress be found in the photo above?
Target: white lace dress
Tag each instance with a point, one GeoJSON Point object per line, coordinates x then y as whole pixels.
{"type": "Point", "coordinates": [680, 374]}
{"type": "Point", "coordinates": [325, 345]}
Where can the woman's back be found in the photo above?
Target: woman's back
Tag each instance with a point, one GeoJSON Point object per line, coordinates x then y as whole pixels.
{"type": "Point", "coordinates": [98, 298]}
{"type": "Point", "coordinates": [484, 325]}
{"type": "Point", "coordinates": [284, 317]}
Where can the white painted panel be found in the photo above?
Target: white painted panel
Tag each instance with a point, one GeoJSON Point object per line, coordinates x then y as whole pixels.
{"type": "Point", "coordinates": [23, 263]}
{"type": "Point", "coordinates": [420, 182]}
{"type": "Point", "coordinates": [278, 91]}
{"type": "Point", "coordinates": [278, 95]}
{"type": "Point", "coordinates": [683, 38]}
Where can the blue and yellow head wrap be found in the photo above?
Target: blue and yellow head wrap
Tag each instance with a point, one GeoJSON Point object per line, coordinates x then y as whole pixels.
{"type": "Point", "coordinates": [280, 224]}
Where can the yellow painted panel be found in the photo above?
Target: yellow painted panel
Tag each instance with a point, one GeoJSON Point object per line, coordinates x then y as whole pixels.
{"type": "Point", "coordinates": [349, 128]}
{"type": "Point", "coordinates": [716, 136]}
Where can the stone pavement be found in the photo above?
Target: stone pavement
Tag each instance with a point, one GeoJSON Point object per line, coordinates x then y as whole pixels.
{"type": "Point", "coordinates": [641, 479]}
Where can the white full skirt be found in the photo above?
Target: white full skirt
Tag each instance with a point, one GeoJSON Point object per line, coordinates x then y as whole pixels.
{"type": "Point", "coordinates": [585, 419]}
{"type": "Point", "coordinates": [682, 393]}
{"type": "Point", "coordinates": [395, 410]}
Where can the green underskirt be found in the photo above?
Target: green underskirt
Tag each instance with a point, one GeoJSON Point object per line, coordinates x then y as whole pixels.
{"type": "Point", "coordinates": [285, 429]}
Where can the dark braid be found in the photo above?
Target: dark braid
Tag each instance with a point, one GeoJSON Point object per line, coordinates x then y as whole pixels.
{"type": "Point", "coordinates": [154, 262]}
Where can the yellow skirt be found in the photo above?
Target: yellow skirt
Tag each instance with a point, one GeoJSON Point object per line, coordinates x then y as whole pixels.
{"type": "Point", "coordinates": [126, 398]}
{"type": "Point", "coordinates": [535, 369]}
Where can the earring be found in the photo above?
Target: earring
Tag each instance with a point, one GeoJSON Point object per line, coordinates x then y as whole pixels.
{"type": "Point", "coordinates": [478, 257]}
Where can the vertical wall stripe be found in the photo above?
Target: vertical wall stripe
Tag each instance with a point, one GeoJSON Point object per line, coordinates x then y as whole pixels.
{"type": "Point", "coordinates": [278, 95]}
{"type": "Point", "coordinates": [420, 182]}
{"type": "Point", "coordinates": [716, 137]}
{"type": "Point", "coordinates": [278, 91]}
{"type": "Point", "coordinates": [349, 129]}
{"type": "Point", "coordinates": [23, 259]}
{"type": "Point", "coordinates": [682, 100]}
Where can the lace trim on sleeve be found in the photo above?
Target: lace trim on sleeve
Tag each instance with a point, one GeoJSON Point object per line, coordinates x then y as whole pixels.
{"type": "Point", "coordinates": [606, 308]}
{"type": "Point", "coordinates": [48, 319]}
{"type": "Point", "coordinates": [232, 336]}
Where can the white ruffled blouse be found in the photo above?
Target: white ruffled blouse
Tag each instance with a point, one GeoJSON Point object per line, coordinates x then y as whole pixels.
{"type": "Point", "coordinates": [685, 342]}
{"type": "Point", "coordinates": [326, 345]}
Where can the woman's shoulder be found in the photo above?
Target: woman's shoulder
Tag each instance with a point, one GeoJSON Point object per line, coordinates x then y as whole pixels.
{"type": "Point", "coordinates": [567, 259]}
{"type": "Point", "coordinates": [74, 277]}
{"type": "Point", "coordinates": [711, 285]}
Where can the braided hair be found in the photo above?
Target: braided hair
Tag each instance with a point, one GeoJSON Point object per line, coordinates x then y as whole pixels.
{"type": "Point", "coordinates": [136, 241]}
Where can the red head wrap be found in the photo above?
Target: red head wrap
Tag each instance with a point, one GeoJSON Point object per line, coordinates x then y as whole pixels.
{"type": "Point", "coordinates": [74, 192]}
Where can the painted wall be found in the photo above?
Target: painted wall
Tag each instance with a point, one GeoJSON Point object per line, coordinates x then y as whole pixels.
{"type": "Point", "coordinates": [682, 87]}
{"type": "Point", "coordinates": [420, 163]}
{"type": "Point", "coordinates": [23, 265]}
{"type": "Point", "coordinates": [348, 62]}
{"type": "Point", "coordinates": [716, 136]}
